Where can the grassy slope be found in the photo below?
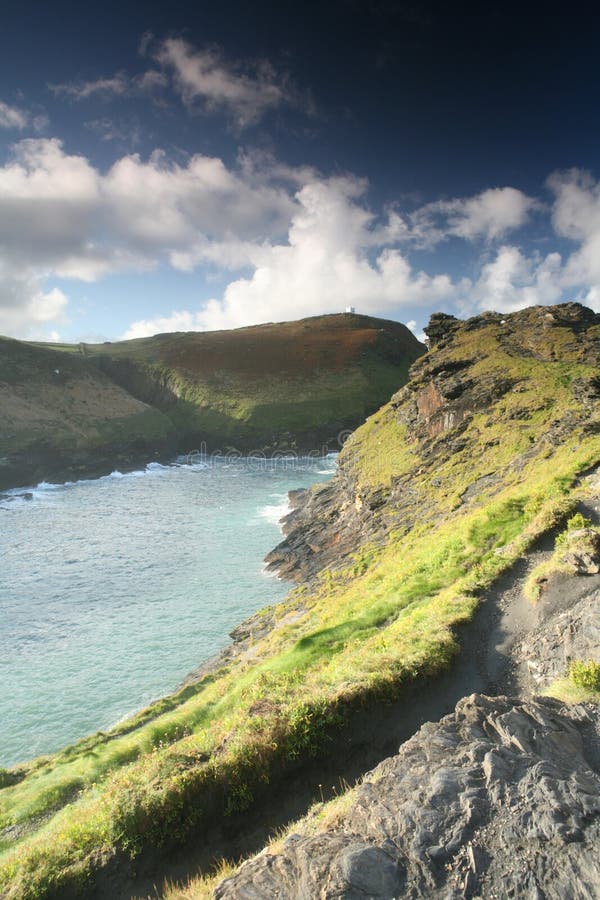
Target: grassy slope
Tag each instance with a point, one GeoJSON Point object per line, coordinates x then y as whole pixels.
{"type": "Point", "coordinates": [53, 400]}
{"type": "Point", "coordinates": [288, 386]}
{"type": "Point", "coordinates": [252, 384]}
{"type": "Point", "coordinates": [365, 632]}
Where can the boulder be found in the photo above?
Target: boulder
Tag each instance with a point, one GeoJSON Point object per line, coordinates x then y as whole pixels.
{"type": "Point", "coordinates": [499, 799]}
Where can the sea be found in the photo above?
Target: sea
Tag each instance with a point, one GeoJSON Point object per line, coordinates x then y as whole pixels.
{"type": "Point", "coordinates": [113, 589]}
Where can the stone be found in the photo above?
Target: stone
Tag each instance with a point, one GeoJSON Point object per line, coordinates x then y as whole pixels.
{"type": "Point", "coordinates": [497, 799]}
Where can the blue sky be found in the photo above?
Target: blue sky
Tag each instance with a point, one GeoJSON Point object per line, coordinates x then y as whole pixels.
{"type": "Point", "coordinates": [199, 166]}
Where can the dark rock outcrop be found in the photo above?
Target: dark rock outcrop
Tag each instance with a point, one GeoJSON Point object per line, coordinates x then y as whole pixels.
{"type": "Point", "coordinates": [499, 799]}
{"type": "Point", "coordinates": [447, 391]}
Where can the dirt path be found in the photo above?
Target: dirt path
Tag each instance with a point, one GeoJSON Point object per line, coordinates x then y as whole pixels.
{"type": "Point", "coordinates": [486, 664]}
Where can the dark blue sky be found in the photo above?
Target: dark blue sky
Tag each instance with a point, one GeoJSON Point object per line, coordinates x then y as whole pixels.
{"type": "Point", "coordinates": [392, 156]}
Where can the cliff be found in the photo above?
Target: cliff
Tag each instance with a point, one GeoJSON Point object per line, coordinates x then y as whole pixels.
{"type": "Point", "coordinates": [453, 553]}
{"type": "Point", "coordinates": [69, 410]}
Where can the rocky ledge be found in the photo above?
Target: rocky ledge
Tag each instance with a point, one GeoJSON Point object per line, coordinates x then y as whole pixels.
{"type": "Point", "coordinates": [445, 395]}
{"type": "Point", "coordinates": [499, 799]}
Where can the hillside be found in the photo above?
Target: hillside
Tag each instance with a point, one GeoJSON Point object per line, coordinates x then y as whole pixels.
{"type": "Point", "coordinates": [286, 386]}
{"type": "Point", "coordinates": [438, 561]}
{"type": "Point", "coordinates": [87, 408]}
{"type": "Point", "coordinates": [63, 418]}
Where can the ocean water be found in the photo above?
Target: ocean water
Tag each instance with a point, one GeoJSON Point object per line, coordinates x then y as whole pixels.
{"type": "Point", "coordinates": [113, 589]}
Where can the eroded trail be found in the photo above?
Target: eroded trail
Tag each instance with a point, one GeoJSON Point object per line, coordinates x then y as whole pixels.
{"type": "Point", "coordinates": [459, 811]}
{"type": "Point", "coordinates": [490, 662]}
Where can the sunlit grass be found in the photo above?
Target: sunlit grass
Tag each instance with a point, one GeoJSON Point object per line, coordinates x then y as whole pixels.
{"type": "Point", "coordinates": [365, 632]}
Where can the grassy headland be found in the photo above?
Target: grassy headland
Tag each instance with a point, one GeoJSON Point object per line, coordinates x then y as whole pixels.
{"type": "Point", "coordinates": [479, 455]}
{"type": "Point", "coordinates": [75, 409]}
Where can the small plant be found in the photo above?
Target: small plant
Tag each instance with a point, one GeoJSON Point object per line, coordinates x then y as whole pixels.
{"type": "Point", "coordinates": [575, 523]}
{"type": "Point", "coordinates": [6, 778]}
{"type": "Point", "coordinates": [585, 674]}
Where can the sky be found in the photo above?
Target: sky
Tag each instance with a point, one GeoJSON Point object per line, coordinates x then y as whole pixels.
{"type": "Point", "coordinates": [197, 166]}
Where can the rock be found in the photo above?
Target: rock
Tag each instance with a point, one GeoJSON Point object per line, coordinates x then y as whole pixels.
{"type": "Point", "coordinates": [583, 551]}
{"type": "Point", "coordinates": [440, 326]}
{"type": "Point", "coordinates": [569, 633]}
{"type": "Point", "coordinates": [499, 799]}
{"type": "Point", "coordinates": [447, 391]}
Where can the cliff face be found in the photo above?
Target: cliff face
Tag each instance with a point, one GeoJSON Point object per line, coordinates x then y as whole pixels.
{"type": "Point", "coordinates": [495, 394]}
{"type": "Point", "coordinates": [73, 410]}
{"type": "Point", "coordinates": [499, 798]}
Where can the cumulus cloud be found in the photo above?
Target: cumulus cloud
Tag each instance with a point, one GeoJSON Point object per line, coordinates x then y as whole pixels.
{"type": "Point", "coordinates": [513, 281]}
{"type": "Point", "coordinates": [297, 243]}
{"type": "Point", "coordinates": [326, 263]}
{"type": "Point", "coordinates": [576, 216]}
{"type": "Point", "coordinates": [488, 215]}
{"type": "Point", "coordinates": [26, 310]}
{"type": "Point", "coordinates": [61, 216]}
{"type": "Point", "coordinates": [206, 76]}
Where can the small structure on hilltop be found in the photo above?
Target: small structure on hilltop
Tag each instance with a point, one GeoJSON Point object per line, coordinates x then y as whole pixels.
{"type": "Point", "coordinates": [350, 309]}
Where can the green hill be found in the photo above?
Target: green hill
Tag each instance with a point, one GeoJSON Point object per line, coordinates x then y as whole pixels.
{"type": "Point", "coordinates": [62, 417]}
{"type": "Point", "coordinates": [74, 409]}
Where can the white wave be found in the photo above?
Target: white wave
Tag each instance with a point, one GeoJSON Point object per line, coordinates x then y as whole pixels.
{"type": "Point", "coordinates": [268, 573]}
{"type": "Point", "coordinates": [274, 512]}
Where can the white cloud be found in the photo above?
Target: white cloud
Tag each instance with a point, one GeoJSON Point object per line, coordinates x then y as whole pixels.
{"type": "Point", "coordinates": [324, 265]}
{"type": "Point", "coordinates": [12, 117]}
{"type": "Point", "coordinates": [488, 215]}
{"type": "Point", "coordinates": [26, 311]}
{"type": "Point", "coordinates": [513, 281]}
{"type": "Point", "coordinates": [576, 216]}
{"type": "Point", "coordinates": [298, 243]}
{"type": "Point", "coordinates": [205, 75]}
{"type": "Point", "coordinates": [61, 216]}
{"type": "Point", "coordinates": [118, 85]}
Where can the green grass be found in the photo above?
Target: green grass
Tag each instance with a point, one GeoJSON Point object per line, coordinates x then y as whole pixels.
{"type": "Point", "coordinates": [300, 381]}
{"type": "Point", "coordinates": [368, 631]}
{"type": "Point", "coordinates": [305, 680]}
{"type": "Point", "coordinates": [580, 685]}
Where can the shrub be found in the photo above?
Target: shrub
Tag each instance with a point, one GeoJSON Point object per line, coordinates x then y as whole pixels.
{"type": "Point", "coordinates": [585, 674]}
{"type": "Point", "coordinates": [6, 777]}
{"type": "Point", "coordinates": [575, 523]}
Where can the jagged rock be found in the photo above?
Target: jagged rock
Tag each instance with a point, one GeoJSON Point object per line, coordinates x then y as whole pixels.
{"type": "Point", "coordinates": [563, 636]}
{"type": "Point", "coordinates": [446, 393]}
{"type": "Point", "coordinates": [440, 326]}
{"type": "Point", "coordinates": [499, 799]}
{"type": "Point", "coordinates": [583, 552]}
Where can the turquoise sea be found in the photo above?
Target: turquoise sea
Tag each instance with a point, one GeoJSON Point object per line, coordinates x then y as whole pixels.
{"type": "Point", "coordinates": [113, 589]}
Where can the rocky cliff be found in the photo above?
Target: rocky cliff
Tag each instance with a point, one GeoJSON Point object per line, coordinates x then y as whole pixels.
{"type": "Point", "coordinates": [499, 799]}
{"type": "Point", "coordinates": [483, 405]}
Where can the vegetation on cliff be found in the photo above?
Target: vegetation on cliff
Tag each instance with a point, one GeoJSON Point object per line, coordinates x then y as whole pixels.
{"type": "Point", "coordinates": [440, 492]}
{"type": "Point", "coordinates": [291, 385]}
